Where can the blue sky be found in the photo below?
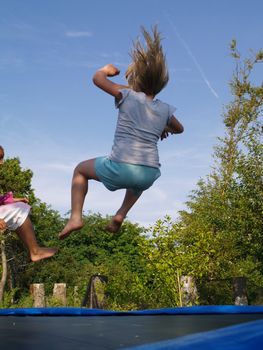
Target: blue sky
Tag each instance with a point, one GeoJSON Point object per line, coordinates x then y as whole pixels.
{"type": "Point", "coordinates": [52, 116]}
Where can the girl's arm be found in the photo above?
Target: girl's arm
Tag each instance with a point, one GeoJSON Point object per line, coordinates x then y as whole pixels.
{"type": "Point", "coordinates": [174, 127]}
{"type": "Point", "coordinates": [8, 198]}
{"type": "Point", "coordinates": [101, 80]}
{"type": "Point", "coordinates": [24, 200]}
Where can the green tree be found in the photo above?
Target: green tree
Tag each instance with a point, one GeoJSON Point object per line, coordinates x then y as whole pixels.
{"type": "Point", "coordinates": [46, 221]}
{"type": "Point", "coordinates": [224, 219]}
{"type": "Point", "coordinates": [93, 251]}
{"type": "Point", "coordinates": [163, 268]}
{"type": "Point", "coordinates": [219, 236]}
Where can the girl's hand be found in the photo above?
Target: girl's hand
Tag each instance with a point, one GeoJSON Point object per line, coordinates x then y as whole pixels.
{"type": "Point", "coordinates": [165, 133]}
{"type": "Point", "coordinates": [110, 70]}
{"type": "Point", "coordinates": [3, 225]}
{"type": "Point", "coordinates": [24, 200]}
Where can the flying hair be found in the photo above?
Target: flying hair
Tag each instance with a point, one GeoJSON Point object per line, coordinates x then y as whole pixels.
{"type": "Point", "coordinates": [148, 71]}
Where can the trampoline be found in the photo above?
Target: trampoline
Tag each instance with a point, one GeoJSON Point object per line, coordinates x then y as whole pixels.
{"type": "Point", "coordinates": [197, 327]}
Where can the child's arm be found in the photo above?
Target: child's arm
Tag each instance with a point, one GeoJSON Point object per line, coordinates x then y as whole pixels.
{"type": "Point", "coordinates": [8, 198]}
{"type": "Point", "coordinates": [174, 127]}
{"type": "Point", "coordinates": [24, 200]}
{"type": "Point", "coordinates": [100, 79]}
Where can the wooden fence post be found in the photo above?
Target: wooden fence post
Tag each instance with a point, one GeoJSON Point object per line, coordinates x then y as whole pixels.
{"type": "Point", "coordinates": [240, 290]}
{"type": "Point", "coordinates": [95, 294]}
{"type": "Point", "coordinates": [59, 292]}
{"type": "Point", "coordinates": [38, 292]}
{"type": "Point", "coordinates": [188, 291]}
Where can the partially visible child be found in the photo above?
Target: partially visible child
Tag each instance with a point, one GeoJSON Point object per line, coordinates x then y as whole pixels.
{"type": "Point", "coordinates": [14, 215]}
{"type": "Point", "coordinates": [134, 161]}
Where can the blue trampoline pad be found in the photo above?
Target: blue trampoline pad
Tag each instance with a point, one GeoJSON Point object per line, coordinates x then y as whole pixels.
{"type": "Point", "coordinates": [80, 328]}
{"type": "Point", "coordinates": [245, 336]}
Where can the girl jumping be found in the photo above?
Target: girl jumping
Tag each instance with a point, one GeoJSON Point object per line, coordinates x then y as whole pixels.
{"type": "Point", "coordinates": [15, 216]}
{"type": "Point", "coordinates": [133, 163]}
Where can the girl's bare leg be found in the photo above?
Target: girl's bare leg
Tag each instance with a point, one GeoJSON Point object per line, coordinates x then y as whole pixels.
{"type": "Point", "coordinates": [129, 200]}
{"type": "Point", "coordinates": [83, 172]}
{"type": "Point", "coordinates": [27, 235]}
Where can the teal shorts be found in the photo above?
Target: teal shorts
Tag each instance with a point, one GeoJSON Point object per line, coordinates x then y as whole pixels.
{"type": "Point", "coordinates": [117, 175]}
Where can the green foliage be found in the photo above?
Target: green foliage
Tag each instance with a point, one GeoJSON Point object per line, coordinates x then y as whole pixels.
{"type": "Point", "coordinates": [222, 229]}
{"type": "Point", "coordinates": [214, 292]}
{"type": "Point", "coordinates": [160, 251]}
{"type": "Point", "coordinates": [88, 252]}
{"type": "Point", "coordinates": [13, 178]}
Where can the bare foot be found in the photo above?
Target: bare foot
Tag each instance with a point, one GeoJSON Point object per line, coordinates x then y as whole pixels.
{"type": "Point", "coordinates": [115, 224]}
{"type": "Point", "coordinates": [42, 253]}
{"type": "Point", "coordinates": [72, 225]}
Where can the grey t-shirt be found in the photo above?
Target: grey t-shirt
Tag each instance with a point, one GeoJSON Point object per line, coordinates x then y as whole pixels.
{"type": "Point", "coordinates": [139, 127]}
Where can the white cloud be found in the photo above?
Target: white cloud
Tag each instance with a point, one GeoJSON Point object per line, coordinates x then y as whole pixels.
{"type": "Point", "coordinates": [10, 62]}
{"type": "Point", "coordinates": [65, 168]}
{"type": "Point", "coordinates": [79, 34]}
{"type": "Point", "coordinates": [4, 118]}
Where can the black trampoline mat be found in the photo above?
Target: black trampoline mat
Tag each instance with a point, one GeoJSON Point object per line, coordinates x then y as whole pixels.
{"type": "Point", "coordinates": [105, 332]}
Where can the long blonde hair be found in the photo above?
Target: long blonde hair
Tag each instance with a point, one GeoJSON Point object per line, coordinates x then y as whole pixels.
{"type": "Point", "coordinates": [148, 71]}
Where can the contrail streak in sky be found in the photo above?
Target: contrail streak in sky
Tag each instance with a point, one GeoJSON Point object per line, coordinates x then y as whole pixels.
{"type": "Point", "coordinates": [189, 51]}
